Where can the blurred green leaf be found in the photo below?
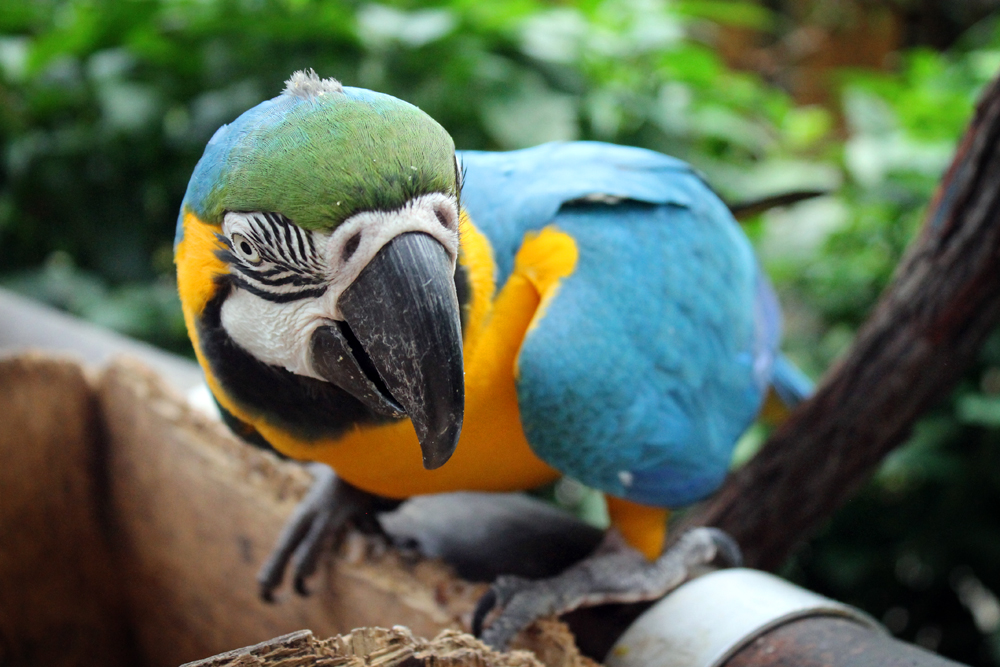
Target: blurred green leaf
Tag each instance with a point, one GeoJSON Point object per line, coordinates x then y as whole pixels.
{"type": "Point", "coordinates": [979, 410]}
{"type": "Point", "coordinates": [729, 12]}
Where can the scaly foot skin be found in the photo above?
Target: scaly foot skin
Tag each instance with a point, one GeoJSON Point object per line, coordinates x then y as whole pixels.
{"type": "Point", "coordinates": [614, 573]}
{"type": "Point", "coordinates": [326, 511]}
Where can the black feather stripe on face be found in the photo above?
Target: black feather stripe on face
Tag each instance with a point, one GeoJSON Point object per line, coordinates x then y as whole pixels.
{"type": "Point", "coordinates": [288, 268]}
{"type": "Point", "coordinates": [278, 297]}
{"type": "Point", "coordinates": [305, 407]}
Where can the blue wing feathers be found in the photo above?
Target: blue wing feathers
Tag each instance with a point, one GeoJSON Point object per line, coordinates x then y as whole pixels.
{"type": "Point", "coordinates": [655, 355]}
{"type": "Point", "coordinates": [653, 381]}
{"type": "Point", "coordinates": [507, 194]}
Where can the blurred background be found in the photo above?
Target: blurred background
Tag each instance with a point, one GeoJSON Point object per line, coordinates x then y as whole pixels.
{"type": "Point", "coordinates": [105, 106]}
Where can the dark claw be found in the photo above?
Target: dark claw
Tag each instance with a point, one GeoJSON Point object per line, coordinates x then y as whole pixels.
{"type": "Point", "coordinates": [483, 607]}
{"type": "Point", "coordinates": [325, 512]}
{"type": "Point", "coordinates": [728, 551]}
{"type": "Point", "coordinates": [307, 553]}
{"type": "Point", "coordinates": [614, 573]}
{"type": "Point", "coordinates": [295, 530]}
{"type": "Point", "coordinates": [500, 595]}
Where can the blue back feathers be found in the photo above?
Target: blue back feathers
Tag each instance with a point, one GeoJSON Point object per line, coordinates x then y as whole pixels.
{"type": "Point", "coordinates": [655, 355]}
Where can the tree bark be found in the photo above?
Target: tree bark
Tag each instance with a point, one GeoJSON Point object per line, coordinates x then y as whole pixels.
{"type": "Point", "coordinates": [923, 334]}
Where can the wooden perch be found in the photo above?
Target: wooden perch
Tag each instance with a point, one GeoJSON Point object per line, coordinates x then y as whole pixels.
{"type": "Point", "coordinates": [923, 334]}
{"type": "Point", "coordinates": [131, 528]}
{"type": "Point", "coordinates": [196, 511]}
{"type": "Point", "coordinates": [59, 602]}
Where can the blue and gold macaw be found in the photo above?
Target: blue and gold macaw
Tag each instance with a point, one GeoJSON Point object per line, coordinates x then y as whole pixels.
{"type": "Point", "coordinates": [359, 297]}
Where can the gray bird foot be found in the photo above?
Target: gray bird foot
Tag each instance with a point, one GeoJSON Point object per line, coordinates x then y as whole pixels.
{"type": "Point", "coordinates": [614, 573]}
{"type": "Point", "coordinates": [317, 522]}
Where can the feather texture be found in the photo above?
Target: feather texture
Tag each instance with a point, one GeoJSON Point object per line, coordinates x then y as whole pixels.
{"type": "Point", "coordinates": [617, 326]}
{"type": "Point", "coordinates": [318, 159]}
{"type": "Point", "coordinates": [654, 355]}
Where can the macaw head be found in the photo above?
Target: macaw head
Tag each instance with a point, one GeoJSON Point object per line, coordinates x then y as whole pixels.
{"type": "Point", "coordinates": [335, 216]}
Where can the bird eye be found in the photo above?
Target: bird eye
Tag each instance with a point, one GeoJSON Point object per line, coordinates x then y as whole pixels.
{"type": "Point", "coordinates": [246, 249]}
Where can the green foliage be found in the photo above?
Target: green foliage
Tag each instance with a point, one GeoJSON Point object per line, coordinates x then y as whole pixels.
{"type": "Point", "coordinates": [105, 106]}
{"type": "Point", "coordinates": [919, 546]}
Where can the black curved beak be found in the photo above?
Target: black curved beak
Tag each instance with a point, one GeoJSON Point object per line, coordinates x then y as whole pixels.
{"type": "Point", "coordinates": [399, 350]}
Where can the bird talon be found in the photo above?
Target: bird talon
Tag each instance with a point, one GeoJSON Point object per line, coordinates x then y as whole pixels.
{"type": "Point", "coordinates": [301, 588]}
{"type": "Point", "coordinates": [498, 597]}
{"type": "Point", "coordinates": [728, 552]}
{"type": "Point", "coordinates": [517, 602]}
{"type": "Point", "coordinates": [708, 546]}
{"type": "Point", "coordinates": [321, 517]}
{"type": "Point", "coordinates": [485, 605]}
{"type": "Point", "coordinates": [614, 574]}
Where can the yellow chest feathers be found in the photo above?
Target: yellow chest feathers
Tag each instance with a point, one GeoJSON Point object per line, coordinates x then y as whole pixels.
{"type": "Point", "coordinates": [492, 454]}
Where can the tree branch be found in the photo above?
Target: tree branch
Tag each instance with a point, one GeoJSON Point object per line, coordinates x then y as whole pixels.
{"type": "Point", "coordinates": [923, 334]}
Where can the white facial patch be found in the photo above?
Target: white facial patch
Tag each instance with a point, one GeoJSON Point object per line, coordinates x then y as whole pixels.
{"type": "Point", "coordinates": [287, 281]}
{"type": "Point", "coordinates": [278, 334]}
{"type": "Point", "coordinates": [359, 238]}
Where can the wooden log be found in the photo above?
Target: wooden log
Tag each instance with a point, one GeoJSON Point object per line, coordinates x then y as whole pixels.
{"type": "Point", "coordinates": [131, 527]}
{"type": "Point", "coordinates": [196, 511]}
{"type": "Point", "coordinates": [924, 333]}
{"type": "Point", "coordinates": [59, 595]}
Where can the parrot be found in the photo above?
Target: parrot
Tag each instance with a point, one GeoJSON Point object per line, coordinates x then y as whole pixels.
{"type": "Point", "coordinates": [415, 320]}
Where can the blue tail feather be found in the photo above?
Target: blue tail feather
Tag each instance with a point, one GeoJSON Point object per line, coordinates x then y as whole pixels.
{"type": "Point", "coordinates": [790, 383]}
